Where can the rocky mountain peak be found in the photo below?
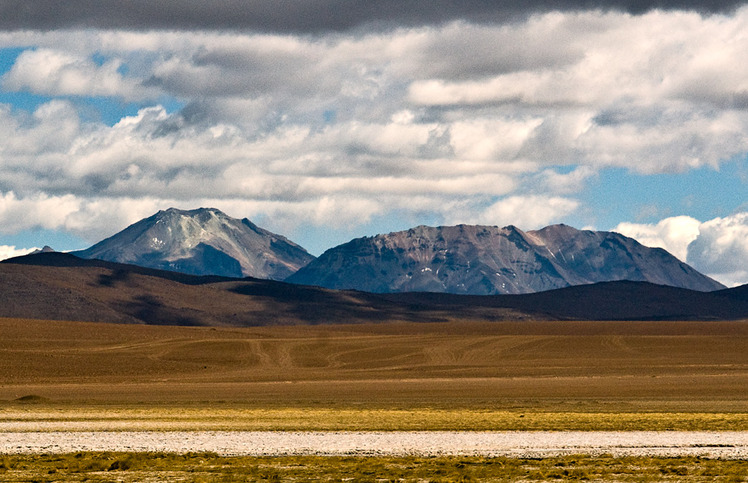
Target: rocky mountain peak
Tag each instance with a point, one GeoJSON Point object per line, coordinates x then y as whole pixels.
{"type": "Point", "coordinates": [475, 259]}
{"type": "Point", "coordinates": [204, 241]}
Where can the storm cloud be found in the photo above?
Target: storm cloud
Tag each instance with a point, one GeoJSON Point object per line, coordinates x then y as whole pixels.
{"type": "Point", "coordinates": [309, 16]}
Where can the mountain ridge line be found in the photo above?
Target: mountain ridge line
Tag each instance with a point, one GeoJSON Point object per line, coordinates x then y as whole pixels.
{"type": "Point", "coordinates": [468, 259]}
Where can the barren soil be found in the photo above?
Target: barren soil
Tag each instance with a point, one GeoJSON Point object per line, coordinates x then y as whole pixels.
{"type": "Point", "coordinates": [576, 366]}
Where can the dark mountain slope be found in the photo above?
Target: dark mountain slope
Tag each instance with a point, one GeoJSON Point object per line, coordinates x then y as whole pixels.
{"type": "Point", "coordinates": [740, 293]}
{"type": "Point", "coordinates": [59, 259]}
{"type": "Point", "coordinates": [62, 287]}
{"type": "Point", "coordinates": [620, 300]}
{"type": "Point", "coordinates": [486, 260]}
{"type": "Point", "coordinates": [202, 242]}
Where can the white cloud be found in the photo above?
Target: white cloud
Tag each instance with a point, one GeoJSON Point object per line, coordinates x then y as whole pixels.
{"type": "Point", "coordinates": [565, 183]}
{"type": "Point", "coordinates": [527, 212]}
{"type": "Point", "coordinates": [717, 247]}
{"type": "Point", "coordinates": [463, 122]}
{"type": "Point", "coordinates": [52, 72]}
{"type": "Point", "coordinates": [156, 155]}
{"type": "Point", "coordinates": [89, 217]}
{"type": "Point", "coordinates": [47, 132]}
{"type": "Point", "coordinates": [7, 251]}
{"type": "Point", "coordinates": [721, 249]}
{"type": "Point", "coordinates": [601, 89]}
{"type": "Point", "coordinates": [673, 234]}
{"type": "Point", "coordinates": [42, 211]}
{"type": "Point", "coordinates": [96, 218]}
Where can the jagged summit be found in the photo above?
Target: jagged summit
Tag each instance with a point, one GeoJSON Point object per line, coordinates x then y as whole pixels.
{"type": "Point", "coordinates": [204, 241]}
{"type": "Point", "coordinates": [474, 259]}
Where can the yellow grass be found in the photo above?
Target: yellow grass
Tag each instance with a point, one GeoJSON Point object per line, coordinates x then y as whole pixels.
{"type": "Point", "coordinates": [139, 467]}
{"type": "Point", "coordinates": [46, 418]}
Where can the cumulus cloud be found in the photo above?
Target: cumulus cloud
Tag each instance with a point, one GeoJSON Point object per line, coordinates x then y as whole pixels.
{"type": "Point", "coordinates": [40, 211]}
{"type": "Point", "coordinates": [717, 247]}
{"type": "Point", "coordinates": [572, 182]}
{"type": "Point", "coordinates": [50, 72]}
{"type": "Point", "coordinates": [527, 212]}
{"type": "Point", "coordinates": [466, 121]}
{"type": "Point", "coordinates": [673, 234]}
{"type": "Point", "coordinates": [89, 217]}
{"type": "Point", "coordinates": [99, 217]}
{"type": "Point", "coordinates": [645, 92]}
{"type": "Point", "coordinates": [7, 251]}
{"type": "Point", "coordinates": [154, 152]}
{"type": "Point", "coordinates": [721, 249]}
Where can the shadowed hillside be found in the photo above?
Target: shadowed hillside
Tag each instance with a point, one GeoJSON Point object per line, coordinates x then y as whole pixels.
{"type": "Point", "coordinates": [63, 287]}
{"type": "Point", "coordinates": [60, 286]}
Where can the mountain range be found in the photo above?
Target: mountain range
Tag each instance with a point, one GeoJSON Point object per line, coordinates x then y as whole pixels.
{"type": "Point", "coordinates": [463, 259]}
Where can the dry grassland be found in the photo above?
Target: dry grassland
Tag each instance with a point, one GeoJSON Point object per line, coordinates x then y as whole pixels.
{"type": "Point", "coordinates": [141, 467]}
{"type": "Point", "coordinates": [218, 417]}
{"type": "Point", "coordinates": [460, 375]}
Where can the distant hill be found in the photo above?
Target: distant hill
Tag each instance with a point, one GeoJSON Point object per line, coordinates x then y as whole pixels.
{"type": "Point", "coordinates": [202, 242]}
{"type": "Point", "coordinates": [487, 260]}
{"type": "Point", "coordinates": [58, 286]}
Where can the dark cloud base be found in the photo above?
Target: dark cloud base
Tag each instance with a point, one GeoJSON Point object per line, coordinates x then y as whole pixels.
{"type": "Point", "coordinates": [308, 16]}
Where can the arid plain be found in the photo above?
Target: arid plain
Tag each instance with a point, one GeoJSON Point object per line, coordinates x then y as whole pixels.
{"type": "Point", "coordinates": [664, 376]}
{"type": "Point", "coordinates": [455, 375]}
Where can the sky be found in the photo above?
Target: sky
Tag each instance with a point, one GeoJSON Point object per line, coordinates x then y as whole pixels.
{"type": "Point", "coordinates": [326, 120]}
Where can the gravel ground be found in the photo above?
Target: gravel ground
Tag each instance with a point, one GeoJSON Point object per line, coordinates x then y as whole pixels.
{"type": "Point", "coordinates": [725, 444]}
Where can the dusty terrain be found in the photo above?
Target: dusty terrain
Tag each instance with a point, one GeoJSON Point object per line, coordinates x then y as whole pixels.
{"type": "Point", "coordinates": [575, 366]}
